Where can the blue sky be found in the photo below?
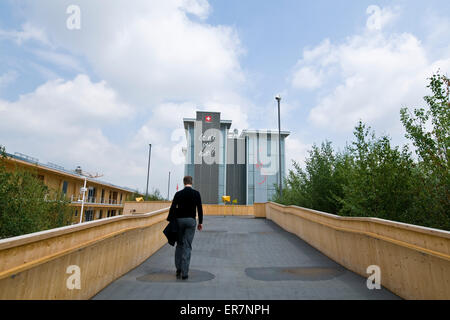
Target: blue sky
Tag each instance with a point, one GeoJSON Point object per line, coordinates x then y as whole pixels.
{"type": "Point", "coordinates": [96, 97]}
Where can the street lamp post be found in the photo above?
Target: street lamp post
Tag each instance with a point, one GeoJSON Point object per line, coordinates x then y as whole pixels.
{"type": "Point", "coordinates": [278, 98]}
{"type": "Point", "coordinates": [168, 188]}
{"type": "Point", "coordinates": [82, 201]}
{"type": "Point", "coordinates": [148, 169]}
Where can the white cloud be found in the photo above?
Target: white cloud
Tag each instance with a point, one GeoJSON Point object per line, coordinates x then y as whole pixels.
{"type": "Point", "coordinates": [307, 78]}
{"type": "Point", "coordinates": [311, 71]}
{"type": "Point", "coordinates": [29, 32]}
{"type": "Point", "coordinates": [377, 73]}
{"type": "Point", "coordinates": [62, 106]}
{"type": "Point", "coordinates": [200, 8]}
{"type": "Point", "coordinates": [296, 151]}
{"type": "Point", "coordinates": [160, 57]}
{"type": "Point", "coordinates": [165, 118]}
{"type": "Point", "coordinates": [150, 51]}
{"type": "Point", "coordinates": [76, 101]}
{"type": "Point", "coordinates": [168, 117]}
{"type": "Point", "coordinates": [67, 123]}
{"type": "Point", "coordinates": [65, 61]}
{"type": "Point", "coordinates": [64, 121]}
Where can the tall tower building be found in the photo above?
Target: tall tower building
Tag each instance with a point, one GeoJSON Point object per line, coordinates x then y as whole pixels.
{"type": "Point", "coordinates": [243, 166]}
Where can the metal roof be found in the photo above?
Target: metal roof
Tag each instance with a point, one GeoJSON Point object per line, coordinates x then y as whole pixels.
{"type": "Point", "coordinates": [226, 122]}
{"type": "Point", "coordinates": [266, 131]}
{"type": "Point", "coordinates": [61, 169]}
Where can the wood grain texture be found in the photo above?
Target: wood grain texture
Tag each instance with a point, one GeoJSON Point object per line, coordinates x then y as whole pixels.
{"type": "Point", "coordinates": [414, 260]}
{"type": "Point", "coordinates": [34, 266]}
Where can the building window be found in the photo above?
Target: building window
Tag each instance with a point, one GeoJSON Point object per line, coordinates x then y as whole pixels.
{"type": "Point", "coordinates": [113, 197]}
{"type": "Point", "coordinates": [76, 213]}
{"type": "Point", "coordinates": [41, 177]}
{"type": "Point", "coordinates": [91, 195]}
{"type": "Point", "coordinates": [89, 215]}
{"type": "Point", "coordinates": [251, 177]}
{"type": "Point", "coordinates": [64, 187]}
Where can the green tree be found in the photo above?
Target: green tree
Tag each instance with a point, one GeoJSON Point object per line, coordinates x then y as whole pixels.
{"type": "Point", "coordinates": [379, 178]}
{"type": "Point", "coordinates": [27, 205]}
{"type": "Point", "coordinates": [154, 196]}
{"type": "Point", "coordinates": [133, 196]}
{"type": "Point", "coordinates": [371, 178]}
{"type": "Point", "coordinates": [319, 185]}
{"type": "Point", "coordinates": [429, 130]}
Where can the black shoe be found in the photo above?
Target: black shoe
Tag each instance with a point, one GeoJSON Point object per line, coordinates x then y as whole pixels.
{"type": "Point", "coordinates": [184, 277]}
{"type": "Point", "coordinates": [178, 274]}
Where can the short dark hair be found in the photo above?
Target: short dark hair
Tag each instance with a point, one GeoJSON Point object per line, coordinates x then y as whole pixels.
{"type": "Point", "coordinates": [187, 180]}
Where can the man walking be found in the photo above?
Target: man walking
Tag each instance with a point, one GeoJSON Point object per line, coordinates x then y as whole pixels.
{"type": "Point", "coordinates": [183, 209]}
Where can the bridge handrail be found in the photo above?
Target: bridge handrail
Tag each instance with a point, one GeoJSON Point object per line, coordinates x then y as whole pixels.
{"type": "Point", "coordinates": [32, 238]}
{"type": "Point", "coordinates": [394, 224]}
{"type": "Point", "coordinates": [29, 238]}
{"type": "Point", "coordinates": [415, 260]}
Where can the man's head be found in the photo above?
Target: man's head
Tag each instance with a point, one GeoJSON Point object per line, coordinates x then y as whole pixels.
{"type": "Point", "coordinates": [187, 180]}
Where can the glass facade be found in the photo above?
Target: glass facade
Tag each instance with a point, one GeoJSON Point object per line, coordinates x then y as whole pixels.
{"type": "Point", "coordinates": [263, 166]}
{"type": "Point", "coordinates": [189, 167]}
{"type": "Point", "coordinates": [252, 181]}
{"type": "Point", "coordinates": [222, 166]}
{"type": "Point", "coordinates": [251, 140]}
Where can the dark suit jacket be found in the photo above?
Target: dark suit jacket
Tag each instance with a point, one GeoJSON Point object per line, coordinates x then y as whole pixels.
{"type": "Point", "coordinates": [171, 232]}
{"type": "Point", "coordinates": [185, 203]}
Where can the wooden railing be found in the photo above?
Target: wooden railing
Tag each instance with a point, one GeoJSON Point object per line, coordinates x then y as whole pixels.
{"type": "Point", "coordinates": [208, 209]}
{"type": "Point", "coordinates": [414, 261]}
{"type": "Point", "coordinates": [35, 266]}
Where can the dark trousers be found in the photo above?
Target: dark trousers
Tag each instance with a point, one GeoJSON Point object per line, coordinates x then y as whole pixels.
{"type": "Point", "coordinates": [186, 231]}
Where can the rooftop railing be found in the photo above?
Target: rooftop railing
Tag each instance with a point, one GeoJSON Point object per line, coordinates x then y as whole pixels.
{"type": "Point", "coordinates": [95, 200]}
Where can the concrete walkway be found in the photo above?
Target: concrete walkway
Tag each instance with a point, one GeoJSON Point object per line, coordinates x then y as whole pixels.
{"type": "Point", "coordinates": [237, 258]}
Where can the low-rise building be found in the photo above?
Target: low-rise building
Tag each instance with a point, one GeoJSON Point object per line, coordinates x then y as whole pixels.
{"type": "Point", "coordinates": [102, 199]}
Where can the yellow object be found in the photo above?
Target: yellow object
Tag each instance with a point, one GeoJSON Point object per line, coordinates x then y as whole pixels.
{"type": "Point", "coordinates": [140, 199]}
{"type": "Point", "coordinates": [226, 198]}
{"type": "Point", "coordinates": [235, 201]}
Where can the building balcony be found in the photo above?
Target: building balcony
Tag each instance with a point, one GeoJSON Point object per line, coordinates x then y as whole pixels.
{"type": "Point", "coordinates": [77, 199]}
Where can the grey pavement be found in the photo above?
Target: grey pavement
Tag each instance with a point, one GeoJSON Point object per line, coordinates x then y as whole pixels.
{"type": "Point", "coordinates": [243, 258]}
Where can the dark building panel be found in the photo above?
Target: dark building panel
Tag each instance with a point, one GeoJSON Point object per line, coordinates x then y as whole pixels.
{"type": "Point", "coordinates": [206, 176]}
{"type": "Point", "coordinates": [206, 181]}
{"type": "Point", "coordinates": [236, 170]}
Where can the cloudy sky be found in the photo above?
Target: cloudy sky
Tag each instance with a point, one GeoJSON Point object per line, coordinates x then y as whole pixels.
{"type": "Point", "coordinates": [98, 95]}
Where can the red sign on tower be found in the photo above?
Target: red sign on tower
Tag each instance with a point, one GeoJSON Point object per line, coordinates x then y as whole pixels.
{"type": "Point", "coordinates": [208, 118]}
